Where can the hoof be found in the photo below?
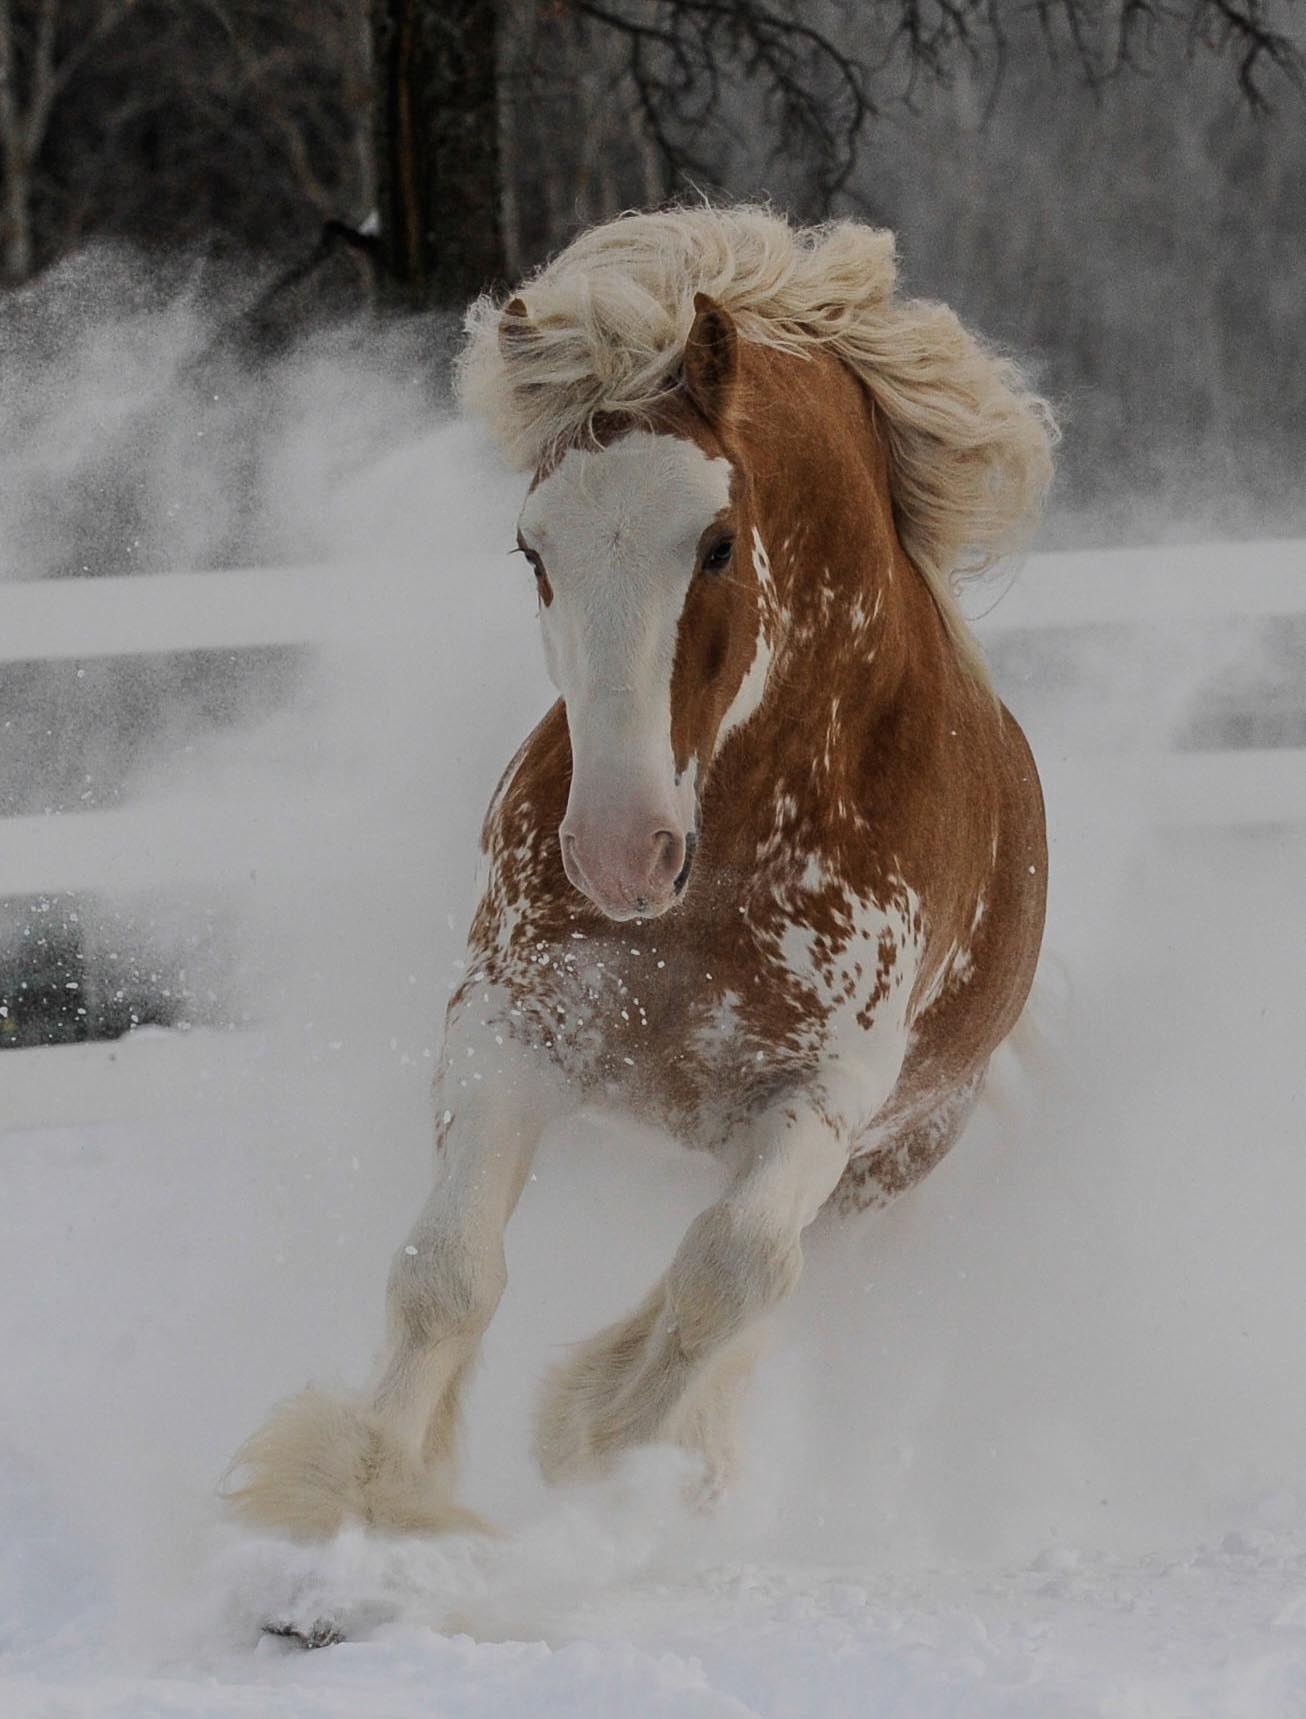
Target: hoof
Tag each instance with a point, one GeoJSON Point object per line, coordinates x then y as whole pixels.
{"type": "Point", "coordinates": [322, 1632]}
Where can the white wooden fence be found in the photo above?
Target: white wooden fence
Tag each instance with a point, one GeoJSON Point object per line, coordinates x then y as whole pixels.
{"type": "Point", "coordinates": [139, 846]}
{"type": "Point", "coordinates": [145, 845]}
{"type": "Point", "coordinates": [177, 840]}
{"type": "Point", "coordinates": [1156, 594]}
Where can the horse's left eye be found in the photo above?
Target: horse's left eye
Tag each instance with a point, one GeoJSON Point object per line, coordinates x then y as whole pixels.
{"type": "Point", "coordinates": [718, 556]}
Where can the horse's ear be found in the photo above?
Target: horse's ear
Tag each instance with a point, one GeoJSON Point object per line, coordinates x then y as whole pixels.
{"type": "Point", "coordinates": [512, 323]}
{"type": "Point", "coordinates": [711, 358]}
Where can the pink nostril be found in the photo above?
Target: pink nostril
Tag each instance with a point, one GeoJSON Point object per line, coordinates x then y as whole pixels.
{"type": "Point", "coordinates": [571, 863]}
{"type": "Point", "coordinates": [668, 857]}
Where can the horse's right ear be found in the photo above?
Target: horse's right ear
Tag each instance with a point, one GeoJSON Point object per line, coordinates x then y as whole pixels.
{"type": "Point", "coordinates": [513, 323]}
{"type": "Point", "coordinates": [711, 358]}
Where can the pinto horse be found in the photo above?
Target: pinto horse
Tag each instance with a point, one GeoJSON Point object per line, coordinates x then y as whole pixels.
{"type": "Point", "coordinates": [771, 873]}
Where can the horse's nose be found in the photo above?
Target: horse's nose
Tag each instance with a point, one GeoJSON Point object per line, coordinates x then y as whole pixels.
{"type": "Point", "coordinates": [634, 875]}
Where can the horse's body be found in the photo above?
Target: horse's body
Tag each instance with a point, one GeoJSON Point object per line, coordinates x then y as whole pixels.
{"type": "Point", "coordinates": [870, 875]}
{"type": "Point", "coordinates": [771, 873]}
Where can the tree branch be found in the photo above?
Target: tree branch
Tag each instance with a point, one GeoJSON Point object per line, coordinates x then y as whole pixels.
{"type": "Point", "coordinates": [678, 51]}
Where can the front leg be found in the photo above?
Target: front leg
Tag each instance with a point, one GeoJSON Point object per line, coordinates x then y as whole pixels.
{"type": "Point", "coordinates": [674, 1369]}
{"type": "Point", "coordinates": [386, 1458]}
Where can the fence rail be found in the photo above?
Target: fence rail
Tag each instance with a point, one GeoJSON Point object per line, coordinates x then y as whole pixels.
{"type": "Point", "coordinates": [187, 842]}
{"type": "Point", "coordinates": [1134, 587]}
{"type": "Point", "coordinates": [183, 843]}
{"type": "Point", "coordinates": [1055, 596]}
{"type": "Point", "coordinates": [50, 620]}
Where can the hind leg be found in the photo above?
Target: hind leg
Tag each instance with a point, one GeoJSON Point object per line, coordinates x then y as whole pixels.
{"type": "Point", "coordinates": [907, 1149]}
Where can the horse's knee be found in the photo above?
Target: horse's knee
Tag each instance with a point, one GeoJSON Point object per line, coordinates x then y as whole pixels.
{"type": "Point", "coordinates": [729, 1271]}
{"type": "Point", "coordinates": [441, 1286]}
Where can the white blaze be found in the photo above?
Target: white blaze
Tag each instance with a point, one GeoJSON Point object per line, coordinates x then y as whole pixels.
{"type": "Point", "coordinates": [618, 530]}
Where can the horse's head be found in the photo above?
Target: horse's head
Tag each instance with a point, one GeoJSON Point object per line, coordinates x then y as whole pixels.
{"type": "Point", "coordinates": [649, 608]}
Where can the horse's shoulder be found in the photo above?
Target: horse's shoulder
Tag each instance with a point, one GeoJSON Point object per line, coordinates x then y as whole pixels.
{"type": "Point", "coordinates": [533, 784]}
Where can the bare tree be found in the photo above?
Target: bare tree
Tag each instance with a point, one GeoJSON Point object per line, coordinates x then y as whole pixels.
{"type": "Point", "coordinates": [38, 61]}
{"type": "Point", "coordinates": [179, 120]}
{"type": "Point", "coordinates": [436, 137]}
{"type": "Point", "coordinates": [482, 132]}
{"type": "Point", "coordinates": [681, 55]}
{"type": "Point", "coordinates": [465, 158]}
{"type": "Point", "coordinates": [468, 166]}
{"type": "Point", "coordinates": [1108, 37]}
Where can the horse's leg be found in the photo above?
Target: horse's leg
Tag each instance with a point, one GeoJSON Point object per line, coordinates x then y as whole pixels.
{"type": "Point", "coordinates": [671, 1371]}
{"type": "Point", "coordinates": [706, 1422]}
{"type": "Point", "coordinates": [908, 1149]}
{"type": "Point", "coordinates": [386, 1458]}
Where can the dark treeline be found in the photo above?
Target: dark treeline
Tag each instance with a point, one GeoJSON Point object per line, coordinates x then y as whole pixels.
{"type": "Point", "coordinates": [1141, 237]}
{"type": "Point", "coordinates": [174, 122]}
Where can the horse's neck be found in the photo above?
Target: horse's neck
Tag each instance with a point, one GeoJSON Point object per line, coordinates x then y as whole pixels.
{"type": "Point", "coordinates": [849, 611]}
{"type": "Point", "coordinates": [865, 693]}
{"type": "Point", "coordinates": [848, 618]}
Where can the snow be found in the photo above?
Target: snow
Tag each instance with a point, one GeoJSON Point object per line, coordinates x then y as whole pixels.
{"type": "Point", "coordinates": [1032, 1443]}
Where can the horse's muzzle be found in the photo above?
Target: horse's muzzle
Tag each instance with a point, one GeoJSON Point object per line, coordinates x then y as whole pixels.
{"type": "Point", "coordinates": [638, 877]}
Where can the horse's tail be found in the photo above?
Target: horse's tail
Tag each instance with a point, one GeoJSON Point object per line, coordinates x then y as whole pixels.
{"type": "Point", "coordinates": [1028, 1053]}
{"type": "Point", "coordinates": [1040, 1021]}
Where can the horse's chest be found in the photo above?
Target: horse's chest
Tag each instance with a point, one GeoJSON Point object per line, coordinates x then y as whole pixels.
{"type": "Point", "coordinates": [701, 1021]}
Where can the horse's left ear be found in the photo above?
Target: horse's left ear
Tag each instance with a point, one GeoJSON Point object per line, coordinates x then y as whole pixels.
{"type": "Point", "coordinates": [711, 358]}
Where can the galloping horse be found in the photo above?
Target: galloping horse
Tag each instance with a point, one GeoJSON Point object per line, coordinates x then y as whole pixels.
{"type": "Point", "coordinates": [771, 873]}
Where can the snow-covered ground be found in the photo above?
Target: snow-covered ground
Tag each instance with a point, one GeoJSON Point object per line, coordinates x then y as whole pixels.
{"type": "Point", "coordinates": [1032, 1443]}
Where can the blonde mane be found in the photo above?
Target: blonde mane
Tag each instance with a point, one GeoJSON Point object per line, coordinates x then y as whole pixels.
{"type": "Point", "coordinates": [607, 320]}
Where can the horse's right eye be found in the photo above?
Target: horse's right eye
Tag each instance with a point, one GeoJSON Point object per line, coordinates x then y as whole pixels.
{"type": "Point", "coordinates": [541, 577]}
{"type": "Point", "coordinates": [537, 568]}
{"type": "Point", "coordinates": [717, 558]}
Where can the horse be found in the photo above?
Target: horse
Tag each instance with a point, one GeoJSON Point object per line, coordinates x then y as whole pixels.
{"type": "Point", "coordinates": [770, 873]}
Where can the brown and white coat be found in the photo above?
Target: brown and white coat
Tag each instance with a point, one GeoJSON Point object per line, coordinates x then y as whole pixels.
{"type": "Point", "coordinates": [771, 873]}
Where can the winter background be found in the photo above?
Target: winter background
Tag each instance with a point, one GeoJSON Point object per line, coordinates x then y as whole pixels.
{"type": "Point", "coordinates": [1033, 1442]}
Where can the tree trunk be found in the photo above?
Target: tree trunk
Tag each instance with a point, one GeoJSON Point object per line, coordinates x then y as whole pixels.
{"type": "Point", "coordinates": [15, 162]}
{"type": "Point", "coordinates": [16, 222]}
{"type": "Point", "coordinates": [436, 128]}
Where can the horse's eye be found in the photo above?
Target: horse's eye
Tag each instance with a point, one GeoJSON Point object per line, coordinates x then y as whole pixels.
{"type": "Point", "coordinates": [541, 577]}
{"type": "Point", "coordinates": [537, 568]}
{"type": "Point", "coordinates": [718, 556]}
